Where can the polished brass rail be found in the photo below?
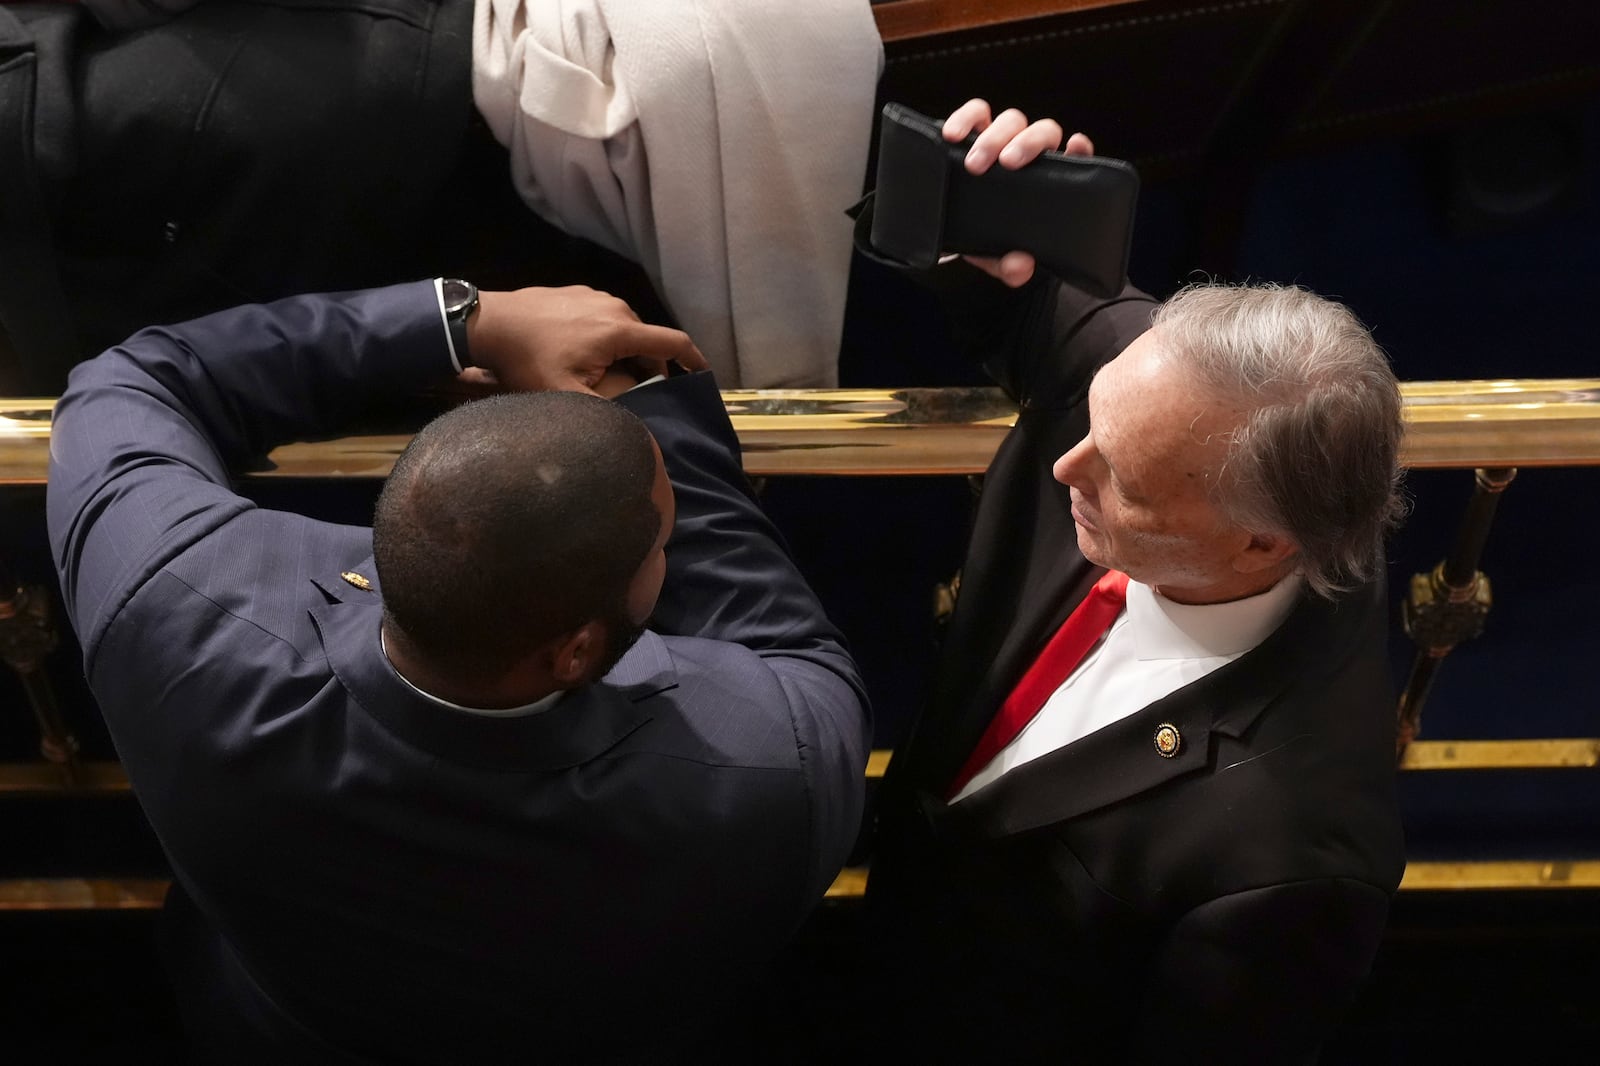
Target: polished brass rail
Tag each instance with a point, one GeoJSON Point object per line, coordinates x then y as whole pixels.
{"type": "Point", "coordinates": [1419, 877]}
{"type": "Point", "coordinates": [41, 778]}
{"type": "Point", "coordinates": [1581, 752]}
{"type": "Point", "coordinates": [859, 432]}
{"type": "Point", "coordinates": [1470, 876]}
{"type": "Point", "coordinates": [101, 894]}
{"type": "Point", "coordinates": [1552, 753]}
{"type": "Point", "coordinates": [82, 894]}
{"type": "Point", "coordinates": [782, 431]}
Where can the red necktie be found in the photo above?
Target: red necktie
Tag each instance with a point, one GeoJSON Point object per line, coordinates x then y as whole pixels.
{"type": "Point", "coordinates": [1084, 626]}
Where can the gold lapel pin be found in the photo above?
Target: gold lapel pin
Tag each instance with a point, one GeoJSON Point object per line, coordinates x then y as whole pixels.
{"type": "Point", "coordinates": [1168, 740]}
{"type": "Point", "coordinates": [357, 580]}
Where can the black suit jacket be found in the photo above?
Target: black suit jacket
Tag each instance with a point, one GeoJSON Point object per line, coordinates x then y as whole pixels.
{"type": "Point", "coordinates": [237, 153]}
{"type": "Point", "coordinates": [362, 875]}
{"type": "Point", "coordinates": [1104, 901]}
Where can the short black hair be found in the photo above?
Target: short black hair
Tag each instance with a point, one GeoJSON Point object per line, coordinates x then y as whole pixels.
{"type": "Point", "coordinates": [512, 520]}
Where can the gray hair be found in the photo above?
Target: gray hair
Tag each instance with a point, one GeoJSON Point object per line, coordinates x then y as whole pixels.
{"type": "Point", "coordinates": [1317, 455]}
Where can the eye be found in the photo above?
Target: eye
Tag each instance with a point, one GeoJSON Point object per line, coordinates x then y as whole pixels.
{"type": "Point", "coordinates": [1121, 489]}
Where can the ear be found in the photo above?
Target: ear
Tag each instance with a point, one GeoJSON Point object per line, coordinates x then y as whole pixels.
{"type": "Point", "coordinates": [1264, 551]}
{"type": "Point", "coordinates": [574, 656]}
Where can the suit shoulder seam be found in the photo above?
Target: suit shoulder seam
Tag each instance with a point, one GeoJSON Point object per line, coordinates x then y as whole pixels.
{"type": "Point", "coordinates": [252, 623]}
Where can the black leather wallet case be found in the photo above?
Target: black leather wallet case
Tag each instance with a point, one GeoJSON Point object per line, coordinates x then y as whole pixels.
{"type": "Point", "coordinates": [1074, 213]}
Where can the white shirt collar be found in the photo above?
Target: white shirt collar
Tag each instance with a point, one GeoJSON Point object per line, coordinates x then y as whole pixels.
{"type": "Point", "coordinates": [1162, 629]}
{"type": "Point", "coordinates": [542, 704]}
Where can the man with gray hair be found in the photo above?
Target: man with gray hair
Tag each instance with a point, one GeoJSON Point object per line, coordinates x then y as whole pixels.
{"type": "Point", "coordinates": [1149, 813]}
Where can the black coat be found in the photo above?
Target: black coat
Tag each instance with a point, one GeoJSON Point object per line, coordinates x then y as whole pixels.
{"type": "Point", "coordinates": [1104, 902]}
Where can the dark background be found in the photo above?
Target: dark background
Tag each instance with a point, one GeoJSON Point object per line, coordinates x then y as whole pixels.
{"type": "Point", "coordinates": [1436, 166]}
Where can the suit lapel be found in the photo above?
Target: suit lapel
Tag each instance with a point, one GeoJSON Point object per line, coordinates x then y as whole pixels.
{"type": "Point", "coordinates": [1023, 576]}
{"type": "Point", "coordinates": [971, 693]}
{"type": "Point", "coordinates": [1063, 581]}
{"type": "Point", "coordinates": [1121, 761]}
{"type": "Point", "coordinates": [1105, 767]}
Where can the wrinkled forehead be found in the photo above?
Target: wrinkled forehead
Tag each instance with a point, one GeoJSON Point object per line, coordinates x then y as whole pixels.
{"type": "Point", "coordinates": [1150, 409]}
{"type": "Point", "coordinates": [1144, 383]}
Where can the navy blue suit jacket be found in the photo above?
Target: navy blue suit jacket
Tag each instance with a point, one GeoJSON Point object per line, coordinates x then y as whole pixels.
{"type": "Point", "coordinates": [361, 874]}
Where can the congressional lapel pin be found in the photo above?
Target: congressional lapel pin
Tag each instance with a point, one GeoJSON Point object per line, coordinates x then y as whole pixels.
{"type": "Point", "coordinates": [1168, 741]}
{"type": "Point", "coordinates": [357, 580]}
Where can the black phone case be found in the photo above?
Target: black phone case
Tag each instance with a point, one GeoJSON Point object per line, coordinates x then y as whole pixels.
{"type": "Point", "coordinates": [1073, 213]}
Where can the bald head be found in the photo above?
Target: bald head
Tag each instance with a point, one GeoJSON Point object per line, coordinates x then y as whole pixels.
{"type": "Point", "coordinates": [511, 521]}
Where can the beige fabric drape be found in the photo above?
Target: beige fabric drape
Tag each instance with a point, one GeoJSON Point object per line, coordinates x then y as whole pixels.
{"type": "Point", "coordinates": [716, 142]}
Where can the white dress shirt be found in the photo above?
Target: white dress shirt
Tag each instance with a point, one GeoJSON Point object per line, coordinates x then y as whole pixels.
{"type": "Point", "coordinates": [1154, 648]}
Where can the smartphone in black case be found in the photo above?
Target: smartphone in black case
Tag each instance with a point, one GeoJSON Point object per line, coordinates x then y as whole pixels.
{"type": "Point", "coordinates": [1073, 213]}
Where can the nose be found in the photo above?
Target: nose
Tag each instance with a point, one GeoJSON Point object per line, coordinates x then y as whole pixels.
{"type": "Point", "coordinates": [1069, 469]}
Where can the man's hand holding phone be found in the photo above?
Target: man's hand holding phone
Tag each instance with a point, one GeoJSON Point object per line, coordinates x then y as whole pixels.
{"type": "Point", "coordinates": [1011, 140]}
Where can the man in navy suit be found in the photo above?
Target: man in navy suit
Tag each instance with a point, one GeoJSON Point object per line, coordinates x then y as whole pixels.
{"type": "Point", "coordinates": [431, 791]}
{"type": "Point", "coordinates": [1186, 853]}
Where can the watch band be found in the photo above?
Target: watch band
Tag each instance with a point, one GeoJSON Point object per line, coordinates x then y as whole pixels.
{"type": "Point", "coordinates": [460, 299]}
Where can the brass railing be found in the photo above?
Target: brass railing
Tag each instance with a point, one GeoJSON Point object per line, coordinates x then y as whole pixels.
{"type": "Point", "coordinates": [864, 432]}
{"type": "Point", "coordinates": [101, 894]}
{"type": "Point", "coordinates": [37, 778]}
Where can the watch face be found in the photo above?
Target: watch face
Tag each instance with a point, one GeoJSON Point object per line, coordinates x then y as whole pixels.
{"type": "Point", "coordinates": [459, 296]}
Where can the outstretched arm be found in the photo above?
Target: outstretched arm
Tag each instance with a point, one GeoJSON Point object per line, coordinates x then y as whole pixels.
{"type": "Point", "coordinates": [148, 434]}
{"type": "Point", "coordinates": [730, 578]}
